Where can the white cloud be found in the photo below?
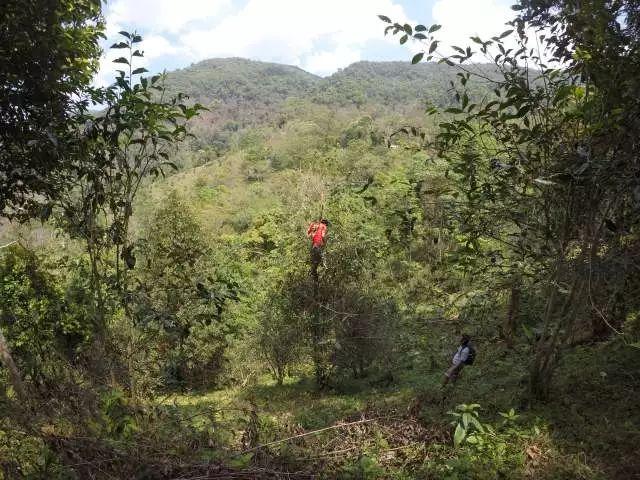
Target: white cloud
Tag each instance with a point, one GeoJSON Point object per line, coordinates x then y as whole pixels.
{"type": "Point", "coordinates": [161, 15]}
{"type": "Point", "coordinates": [155, 46]}
{"type": "Point", "coordinates": [320, 36]}
{"type": "Point", "coordinates": [461, 19]}
{"type": "Point", "coordinates": [299, 32]}
{"type": "Point", "coordinates": [326, 62]}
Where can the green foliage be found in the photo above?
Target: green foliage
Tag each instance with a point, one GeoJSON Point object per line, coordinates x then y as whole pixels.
{"type": "Point", "coordinates": [181, 295]}
{"type": "Point", "coordinates": [117, 421]}
{"type": "Point", "coordinates": [491, 221]}
{"type": "Point", "coordinates": [535, 195]}
{"type": "Point", "coordinates": [485, 450]}
{"type": "Point", "coordinates": [243, 95]}
{"type": "Point", "coordinates": [42, 94]}
{"type": "Point", "coordinates": [26, 456]}
{"type": "Point", "coordinates": [364, 468]}
{"type": "Point", "coordinates": [118, 149]}
{"type": "Point", "coordinates": [278, 335]}
{"type": "Point", "coordinates": [39, 322]}
{"type": "Point", "coordinates": [392, 83]}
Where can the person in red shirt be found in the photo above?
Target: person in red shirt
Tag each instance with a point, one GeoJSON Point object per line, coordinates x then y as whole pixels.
{"type": "Point", "coordinates": [317, 232]}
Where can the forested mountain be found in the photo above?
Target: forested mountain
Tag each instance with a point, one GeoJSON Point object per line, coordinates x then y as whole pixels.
{"type": "Point", "coordinates": [233, 81]}
{"type": "Point", "coordinates": [242, 93]}
{"type": "Point", "coordinates": [241, 83]}
{"type": "Point", "coordinates": [397, 85]}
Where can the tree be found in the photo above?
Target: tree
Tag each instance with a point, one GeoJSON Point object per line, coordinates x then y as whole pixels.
{"type": "Point", "coordinates": [127, 143]}
{"type": "Point", "coordinates": [35, 319]}
{"type": "Point", "coordinates": [48, 57]}
{"type": "Point", "coordinates": [545, 167]}
{"type": "Point", "coordinates": [278, 334]}
{"type": "Point", "coordinates": [180, 294]}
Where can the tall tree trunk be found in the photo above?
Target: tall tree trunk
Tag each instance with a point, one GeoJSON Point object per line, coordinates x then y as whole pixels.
{"type": "Point", "coordinates": [14, 374]}
{"type": "Point", "coordinates": [542, 370]}
{"type": "Point", "coordinates": [558, 325]}
{"type": "Point", "coordinates": [320, 354]}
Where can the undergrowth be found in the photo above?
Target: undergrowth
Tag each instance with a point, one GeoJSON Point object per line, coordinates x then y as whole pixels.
{"type": "Point", "coordinates": [411, 428]}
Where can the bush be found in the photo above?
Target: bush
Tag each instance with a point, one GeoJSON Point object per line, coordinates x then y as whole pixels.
{"type": "Point", "coordinates": [482, 450]}
{"type": "Point", "coordinates": [279, 338]}
{"type": "Point", "coordinates": [43, 324]}
{"type": "Point", "coordinates": [181, 296]}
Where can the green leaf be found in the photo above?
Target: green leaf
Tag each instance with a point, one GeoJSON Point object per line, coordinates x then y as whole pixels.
{"type": "Point", "coordinates": [120, 45]}
{"type": "Point", "coordinates": [417, 57]}
{"type": "Point", "coordinates": [121, 60]}
{"type": "Point", "coordinates": [420, 36]}
{"type": "Point", "coordinates": [466, 418]}
{"type": "Point", "coordinates": [125, 34]}
{"type": "Point", "coordinates": [459, 435]}
{"type": "Point", "coordinates": [136, 39]}
{"type": "Point", "coordinates": [384, 18]}
{"type": "Point", "coordinates": [476, 423]}
{"type": "Point", "coordinates": [433, 46]}
{"type": "Point", "coordinates": [138, 53]}
{"type": "Point", "coordinates": [407, 28]}
{"type": "Point", "coordinates": [505, 34]}
{"type": "Point", "coordinates": [420, 28]}
{"type": "Point", "coordinates": [403, 40]}
{"type": "Point", "coordinates": [434, 28]}
{"type": "Point", "coordinates": [139, 70]}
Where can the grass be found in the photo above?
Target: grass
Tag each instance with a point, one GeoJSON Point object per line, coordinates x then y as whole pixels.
{"type": "Point", "coordinates": [592, 421]}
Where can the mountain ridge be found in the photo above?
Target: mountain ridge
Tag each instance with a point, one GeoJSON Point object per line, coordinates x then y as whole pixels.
{"type": "Point", "coordinates": [235, 79]}
{"type": "Point", "coordinates": [241, 93]}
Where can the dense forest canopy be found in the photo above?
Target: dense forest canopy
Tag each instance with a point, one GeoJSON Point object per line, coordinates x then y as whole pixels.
{"type": "Point", "coordinates": [163, 313]}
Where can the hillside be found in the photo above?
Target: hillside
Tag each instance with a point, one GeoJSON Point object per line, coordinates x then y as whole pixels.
{"type": "Point", "coordinates": [243, 93]}
{"type": "Point", "coordinates": [394, 84]}
{"type": "Point", "coordinates": [239, 82]}
{"type": "Point", "coordinates": [321, 278]}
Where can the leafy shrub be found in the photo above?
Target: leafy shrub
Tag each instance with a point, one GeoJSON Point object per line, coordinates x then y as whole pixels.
{"type": "Point", "coordinates": [181, 296]}
{"type": "Point", "coordinates": [26, 456]}
{"type": "Point", "coordinates": [42, 322]}
{"type": "Point", "coordinates": [482, 450]}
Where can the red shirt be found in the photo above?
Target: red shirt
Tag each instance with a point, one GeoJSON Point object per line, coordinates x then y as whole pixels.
{"type": "Point", "coordinates": [317, 232]}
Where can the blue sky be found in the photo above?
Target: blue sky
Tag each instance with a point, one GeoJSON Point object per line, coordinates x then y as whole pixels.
{"type": "Point", "coordinates": [320, 36]}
